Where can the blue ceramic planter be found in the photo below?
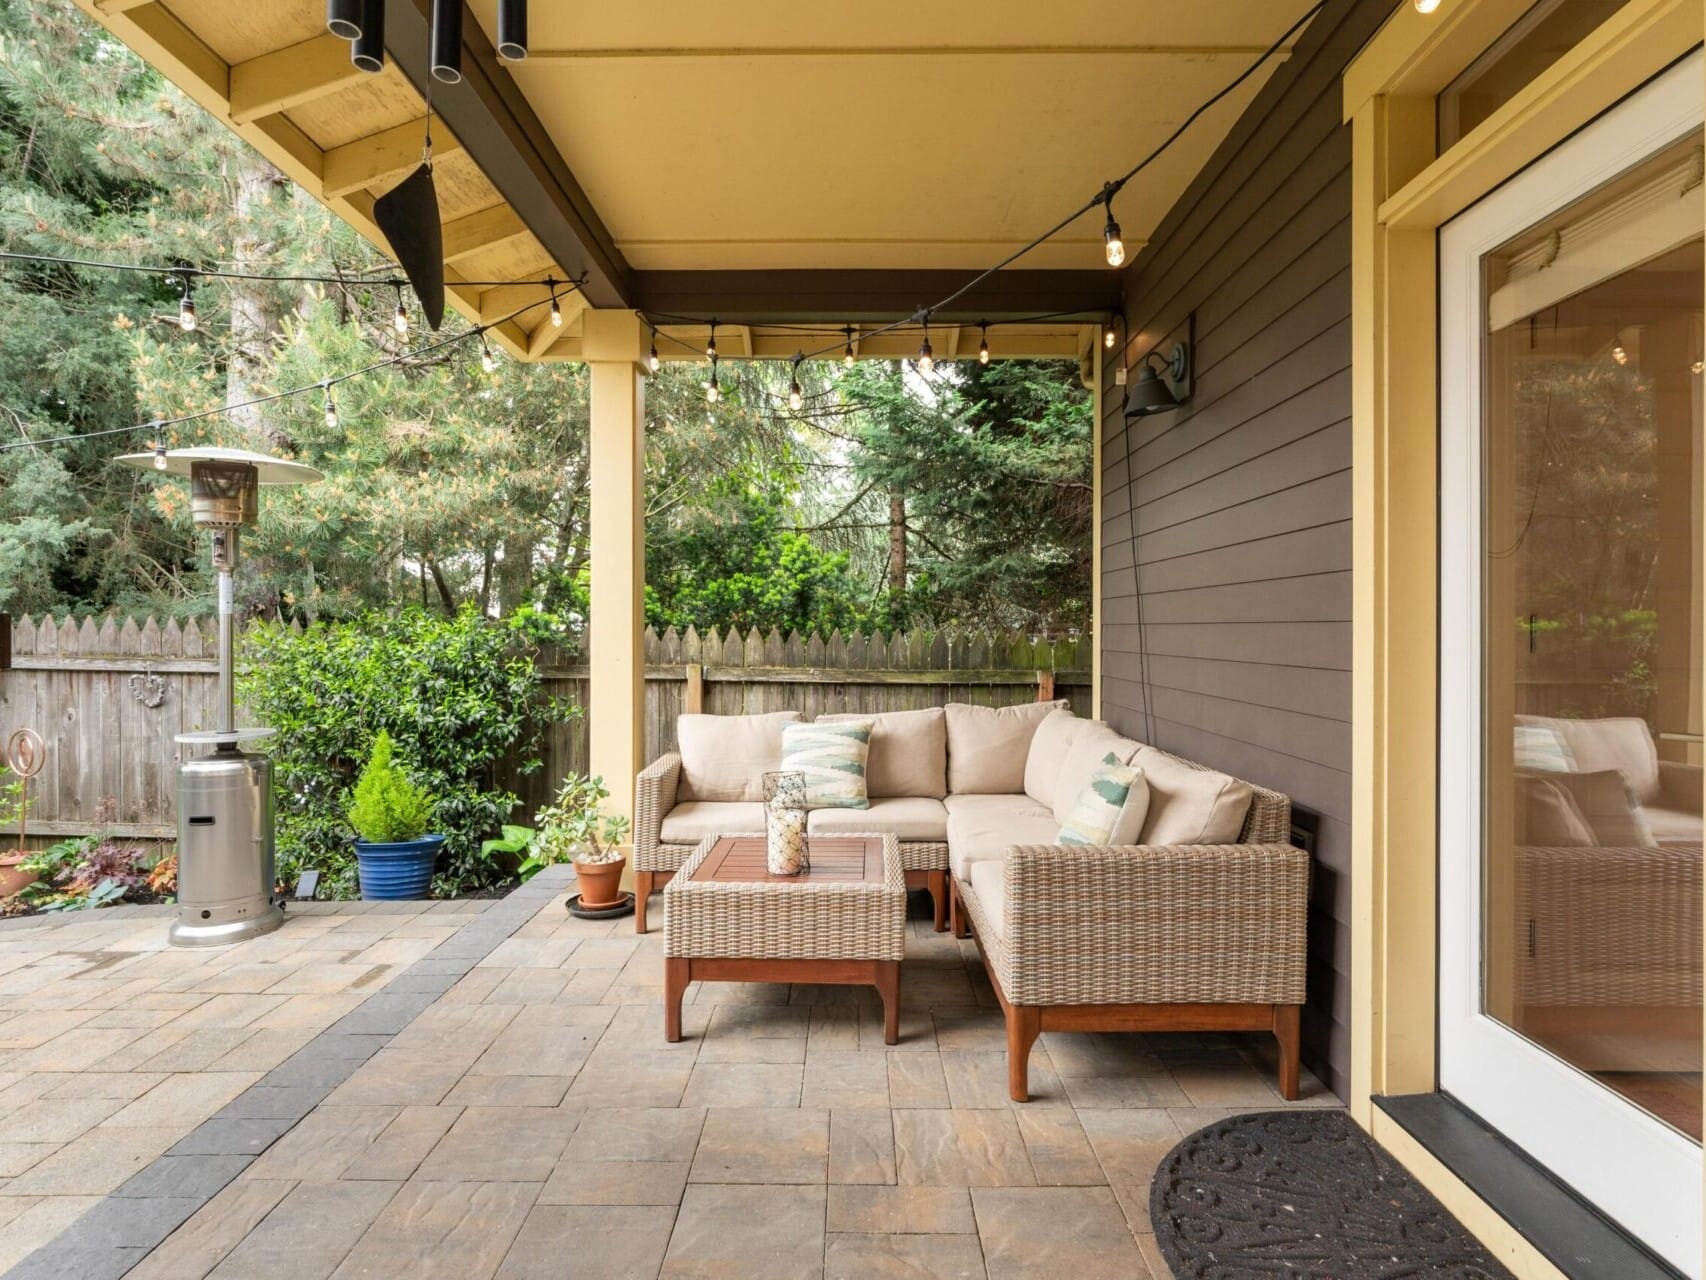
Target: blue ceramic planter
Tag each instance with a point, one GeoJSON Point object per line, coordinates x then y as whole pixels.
{"type": "Point", "coordinates": [398, 869]}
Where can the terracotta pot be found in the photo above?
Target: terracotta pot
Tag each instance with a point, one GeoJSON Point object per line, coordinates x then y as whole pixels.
{"type": "Point", "coordinates": [600, 882]}
{"type": "Point", "coordinates": [12, 879]}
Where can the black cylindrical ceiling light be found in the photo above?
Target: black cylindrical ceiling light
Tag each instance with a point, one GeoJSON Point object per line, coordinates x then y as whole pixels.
{"type": "Point", "coordinates": [343, 18]}
{"type": "Point", "coordinates": [512, 29]}
{"type": "Point", "coordinates": [368, 49]}
{"type": "Point", "coordinates": [447, 41]}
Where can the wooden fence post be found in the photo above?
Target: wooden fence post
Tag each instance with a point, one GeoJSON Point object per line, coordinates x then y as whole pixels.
{"type": "Point", "coordinates": [1045, 686]}
{"type": "Point", "coordinates": [695, 700]}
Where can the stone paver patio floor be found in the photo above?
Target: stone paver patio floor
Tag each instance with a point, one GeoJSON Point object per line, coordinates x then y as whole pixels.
{"type": "Point", "coordinates": [479, 1090]}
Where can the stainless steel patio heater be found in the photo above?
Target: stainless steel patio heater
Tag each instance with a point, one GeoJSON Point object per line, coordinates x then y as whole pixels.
{"type": "Point", "coordinates": [225, 813]}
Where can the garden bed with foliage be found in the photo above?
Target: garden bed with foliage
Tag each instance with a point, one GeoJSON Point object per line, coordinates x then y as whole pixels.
{"type": "Point", "coordinates": [93, 871]}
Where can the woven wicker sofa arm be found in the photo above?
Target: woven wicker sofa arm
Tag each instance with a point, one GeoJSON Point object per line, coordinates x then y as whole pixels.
{"type": "Point", "coordinates": [1157, 923]}
{"type": "Point", "coordinates": [654, 797]}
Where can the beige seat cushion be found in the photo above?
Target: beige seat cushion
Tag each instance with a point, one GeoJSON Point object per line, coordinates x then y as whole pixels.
{"type": "Point", "coordinates": [981, 827]}
{"type": "Point", "coordinates": [1673, 826]}
{"type": "Point", "coordinates": [1623, 743]}
{"type": "Point", "coordinates": [915, 818]}
{"type": "Point", "coordinates": [987, 746]}
{"type": "Point", "coordinates": [1191, 806]}
{"type": "Point", "coordinates": [909, 753]}
{"type": "Point", "coordinates": [691, 822]}
{"type": "Point", "coordinates": [725, 758]}
{"type": "Point", "coordinates": [989, 887]}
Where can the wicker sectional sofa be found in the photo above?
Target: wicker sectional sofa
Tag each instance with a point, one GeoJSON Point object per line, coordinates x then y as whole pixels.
{"type": "Point", "coordinates": [1197, 925]}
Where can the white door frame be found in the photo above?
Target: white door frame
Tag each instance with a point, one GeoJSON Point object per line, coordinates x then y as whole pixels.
{"type": "Point", "coordinates": [1635, 1169]}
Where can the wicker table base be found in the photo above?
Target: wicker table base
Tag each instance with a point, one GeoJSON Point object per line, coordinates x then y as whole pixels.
{"type": "Point", "coordinates": [726, 919]}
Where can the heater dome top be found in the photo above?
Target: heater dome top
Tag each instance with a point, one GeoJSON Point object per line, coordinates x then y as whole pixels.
{"type": "Point", "coordinates": [180, 461]}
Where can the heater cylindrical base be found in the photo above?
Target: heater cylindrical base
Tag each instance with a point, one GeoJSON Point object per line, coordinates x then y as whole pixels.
{"type": "Point", "coordinates": [189, 930]}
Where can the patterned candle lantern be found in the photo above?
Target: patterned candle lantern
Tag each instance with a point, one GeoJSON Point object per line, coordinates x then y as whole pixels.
{"type": "Point", "coordinates": [785, 823]}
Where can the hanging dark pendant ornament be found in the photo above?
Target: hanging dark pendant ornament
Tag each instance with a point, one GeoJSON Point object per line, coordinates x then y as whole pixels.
{"type": "Point", "coordinates": [408, 215]}
{"type": "Point", "coordinates": [368, 49]}
{"type": "Point", "coordinates": [446, 41]}
{"type": "Point", "coordinates": [512, 29]}
{"type": "Point", "coordinates": [343, 18]}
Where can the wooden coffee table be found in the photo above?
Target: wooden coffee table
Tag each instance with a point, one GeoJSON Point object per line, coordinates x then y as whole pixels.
{"type": "Point", "coordinates": [727, 919]}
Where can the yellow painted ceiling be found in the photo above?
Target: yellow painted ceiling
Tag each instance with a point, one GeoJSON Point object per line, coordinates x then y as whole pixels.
{"type": "Point", "coordinates": [769, 133]}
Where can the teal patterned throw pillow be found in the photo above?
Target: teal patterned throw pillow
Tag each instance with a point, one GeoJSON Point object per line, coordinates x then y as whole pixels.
{"type": "Point", "coordinates": [832, 756]}
{"type": "Point", "coordinates": [1111, 809]}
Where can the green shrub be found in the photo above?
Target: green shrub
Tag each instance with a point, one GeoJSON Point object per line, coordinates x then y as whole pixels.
{"type": "Point", "coordinates": [460, 698]}
{"type": "Point", "coordinates": [387, 806]}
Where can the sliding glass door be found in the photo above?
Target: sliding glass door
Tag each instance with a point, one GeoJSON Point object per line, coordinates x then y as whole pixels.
{"type": "Point", "coordinates": [1570, 678]}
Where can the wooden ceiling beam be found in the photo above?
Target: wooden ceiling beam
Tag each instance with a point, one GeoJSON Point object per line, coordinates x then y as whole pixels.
{"type": "Point", "coordinates": [289, 77]}
{"type": "Point", "coordinates": [381, 157]}
{"type": "Point", "coordinates": [476, 232]}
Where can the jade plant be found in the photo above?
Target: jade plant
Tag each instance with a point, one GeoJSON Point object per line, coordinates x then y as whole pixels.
{"type": "Point", "coordinates": [387, 806]}
{"type": "Point", "coordinates": [574, 826]}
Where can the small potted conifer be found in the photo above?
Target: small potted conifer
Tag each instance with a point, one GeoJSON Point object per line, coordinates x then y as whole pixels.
{"type": "Point", "coordinates": [391, 815]}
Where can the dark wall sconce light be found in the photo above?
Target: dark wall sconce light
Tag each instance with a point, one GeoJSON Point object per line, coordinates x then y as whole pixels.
{"type": "Point", "coordinates": [1153, 392]}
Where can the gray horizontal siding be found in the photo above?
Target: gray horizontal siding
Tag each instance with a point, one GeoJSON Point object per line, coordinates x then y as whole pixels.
{"type": "Point", "coordinates": [1226, 536]}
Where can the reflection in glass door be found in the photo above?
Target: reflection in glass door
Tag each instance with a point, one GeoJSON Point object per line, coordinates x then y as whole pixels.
{"type": "Point", "coordinates": [1571, 605]}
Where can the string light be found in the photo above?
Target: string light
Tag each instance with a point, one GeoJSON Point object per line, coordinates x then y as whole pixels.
{"type": "Point", "coordinates": [711, 344]}
{"type": "Point", "coordinates": [159, 456]}
{"type": "Point", "coordinates": [1109, 337]}
{"type": "Point", "coordinates": [652, 361]}
{"type": "Point", "coordinates": [1698, 367]}
{"type": "Point", "coordinates": [556, 310]}
{"type": "Point", "coordinates": [926, 353]}
{"type": "Point", "coordinates": [186, 308]}
{"type": "Point", "coordinates": [713, 392]}
{"type": "Point", "coordinates": [983, 342]}
{"type": "Point", "coordinates": [488, 361]}
{"type": "Point", "coordinates": [400, 317]}
{"type": "Point", "coordinates": [796, 394]}
{"type": "Point", "coordinates": [1111, 240]}
{"type": "Point", "coordinates": [331, 408]}
{"type": "Point", "coordinates": [1426, 6]}
{"type": "Point", "coordinates": [847, 355]}
{"type": "Point", "coordinates": [1620, 354]}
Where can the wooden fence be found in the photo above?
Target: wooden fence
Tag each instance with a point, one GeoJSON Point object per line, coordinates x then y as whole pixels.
{"type": "Point", "coordinates": [109, 696]}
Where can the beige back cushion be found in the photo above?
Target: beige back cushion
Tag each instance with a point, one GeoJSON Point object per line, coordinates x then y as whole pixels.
{"type": "Point", "coordinates": [1191, 806]}
{"type": "Point", "coordinates": [1049, 744]}
{"type": "Point", "coordinates": [726, 757]}
{"type": "Point", "coordinates": [1623, 743]}
{"type": "Point", "coordinates": [988, 746]}
{"type": "Point", "coordinates": [1088, 753]}
{"type": "Point", "coordinates": [909, 753]}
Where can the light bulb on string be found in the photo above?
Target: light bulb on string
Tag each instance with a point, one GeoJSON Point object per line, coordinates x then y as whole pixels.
{"type": "Point", "coordinates": [847, 354]}
{"type": "Point", "coordinates": [331, 408]}
{"type": "Point", "coordinates": [1111, 241]}
{"type": "Point", "coordinates": [711, 344]}
{"type": "Point", "coordinates": [713, 392]}
{"type": "Point", "coordinates": [186, 308]}
{"type": "Point", "coordinates": [1620, 354]}
{"type": "Point", "coordinates": [983, 343]}
{"type": "Point", "coordinates": [488, 360]}
{"type": "Point", "coordinates": [160, 463]}
{"type": "Point", "coordinates": [652, 361]}
{"type": "Point", "coordinates": [926, 353]}
{"type": "Point", "coordinates": [556, 310]}
{"type": "Point", "coordinates": [400, 317]}
{"type": "Point", "coordinates": [796, 394]}
{"type": "Point", "coordinates": [1426, 6]}
{"type": "Point", "coordinates": [1109, 337]}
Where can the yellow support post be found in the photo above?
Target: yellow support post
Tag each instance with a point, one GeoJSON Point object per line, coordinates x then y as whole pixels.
{"type": "Point", "coordinates": [615, 347]}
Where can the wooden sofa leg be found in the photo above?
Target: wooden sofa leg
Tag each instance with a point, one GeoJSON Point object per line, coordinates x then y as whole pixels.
{"type": "Point", "coordinates": [1288, 1031]}
{"type": "Point", "coordinates": [939, 898]}
{"type": "Point", "coordinates": [956, 910]}
{"type": "Point", "coordinates": [1023, 1026]}
{"type": "Point", "coordinates": [642, 893]}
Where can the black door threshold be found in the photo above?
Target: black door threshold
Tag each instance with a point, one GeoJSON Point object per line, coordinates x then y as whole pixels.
{"type": "Point", "coordinates": [1567, 1230]}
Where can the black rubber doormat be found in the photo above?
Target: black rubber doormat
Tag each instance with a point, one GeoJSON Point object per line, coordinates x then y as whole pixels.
{"type": "Point", "coordinates": [1305, 1195]}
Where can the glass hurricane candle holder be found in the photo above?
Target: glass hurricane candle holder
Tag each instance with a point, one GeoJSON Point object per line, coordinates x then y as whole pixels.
{"type": "Point", "coordinates": [785, 823]}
